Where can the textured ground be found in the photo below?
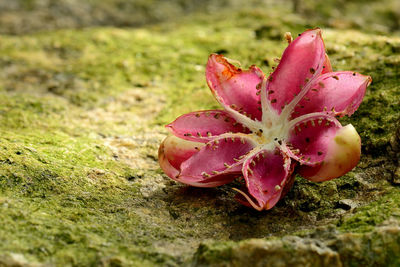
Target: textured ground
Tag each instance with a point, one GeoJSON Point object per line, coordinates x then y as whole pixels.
{"type": "Point", "coordinates": [82, 114]}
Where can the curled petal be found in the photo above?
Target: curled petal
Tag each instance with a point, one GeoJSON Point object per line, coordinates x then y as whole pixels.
{"type": "Point", "coordinates": [327, 65]}
{"type": "Point", "coordinates": [233, 87]}
{"type": "Point", "coordinates": [266, 175]}
{"type": "Point", "coordinates": [342, 155]}
{"type": "Point", "coordinates": [245, 198]}
{"type": "Point", "coordinates": [309, 139]}
{"type": "Point", "coordinates": [203, 126]}
{"type": "Point", "coordinates": [173, 151]}
{"type": "Point", "coordinates": [336, 93]}
{"type": "Point", "coordinates": [217, 162]}
{"type": "Point", "coordinates": [302, 60]}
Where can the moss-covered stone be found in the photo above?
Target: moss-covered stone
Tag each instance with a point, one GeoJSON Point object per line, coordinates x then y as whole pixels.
{"type": "Point", "coordinates": [81, 118]}
{"type": "Point", "coordinates": [377, 248]}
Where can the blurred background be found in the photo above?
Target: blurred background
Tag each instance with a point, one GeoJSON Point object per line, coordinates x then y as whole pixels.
{"type": "Point", "coordinates": [24, 16]}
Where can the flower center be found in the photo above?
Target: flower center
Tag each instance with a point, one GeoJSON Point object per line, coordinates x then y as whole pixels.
{"type": "Point", "coordinates": [267, 136]}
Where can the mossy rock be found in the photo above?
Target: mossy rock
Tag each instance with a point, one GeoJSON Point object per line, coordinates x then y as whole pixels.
{"type": "Point", "coordinates": [81, 118]}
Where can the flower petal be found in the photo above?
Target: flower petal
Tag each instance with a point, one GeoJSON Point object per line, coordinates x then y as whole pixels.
{"type": "Point", "coordinates": [337, 93]}
{"type": "Point", "coordinates": [266, 175]}
{"type": "Point", "coordinates": [215, 163]}
{"type": "Point", "coordinates": [173, 151]}
{"type": "Point", "coordinates": [310, 138]}
{"type": "Point", "coordinates": [203, 126]}
{"type": "Point", "coordinates": [342, 155]}
{"type": "Point", "coordinates": [302, 60]}
{"type": "Point", "coordinates": [245, 198]}
{"type": "Point", "coordinates": [234, 87]}
{"type": "Point", "coordinates": [327, 65]}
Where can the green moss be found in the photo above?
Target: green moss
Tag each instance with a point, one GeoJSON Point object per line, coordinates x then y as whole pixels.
{"type": "Point", "coordinates": [215, 254]}
{"type": "Point", "coordinates": [373, 214]}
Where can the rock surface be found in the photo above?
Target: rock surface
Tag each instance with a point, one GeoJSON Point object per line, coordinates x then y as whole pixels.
{"type": "Point", "coordinates": [82, 114]}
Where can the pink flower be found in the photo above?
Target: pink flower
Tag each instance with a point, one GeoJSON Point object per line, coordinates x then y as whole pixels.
{"type": "Point", "coordinates": [268, 126]}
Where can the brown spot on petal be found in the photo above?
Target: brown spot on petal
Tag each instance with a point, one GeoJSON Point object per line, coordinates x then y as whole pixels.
{"type": "Point", "coordinates": [205, 174]}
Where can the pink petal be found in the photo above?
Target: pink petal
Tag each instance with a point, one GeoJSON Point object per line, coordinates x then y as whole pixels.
{"type": "Point", "coordinates": [309, 139]}
{"type": "Point", "coordinates": [327, 65]}
{"type": "Point", "coordinates": [173, 151]}
{"type": "Point", "coordinates": [234, 87]}
{"type": "Point", "coordinates": [302, 60]}
{"type": "Point", "coordinates": [337, 93]}
{"type": "Point", "coordinates": [217, 163]}
{"type": "Point", "coordinates": [245, 198]}
{"type": "Point", "coordinates": [266, 175]}
{"type": "Point", "coordinates": [342, 155]}
{"type": "Point", "coordinates": [203, 126]}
